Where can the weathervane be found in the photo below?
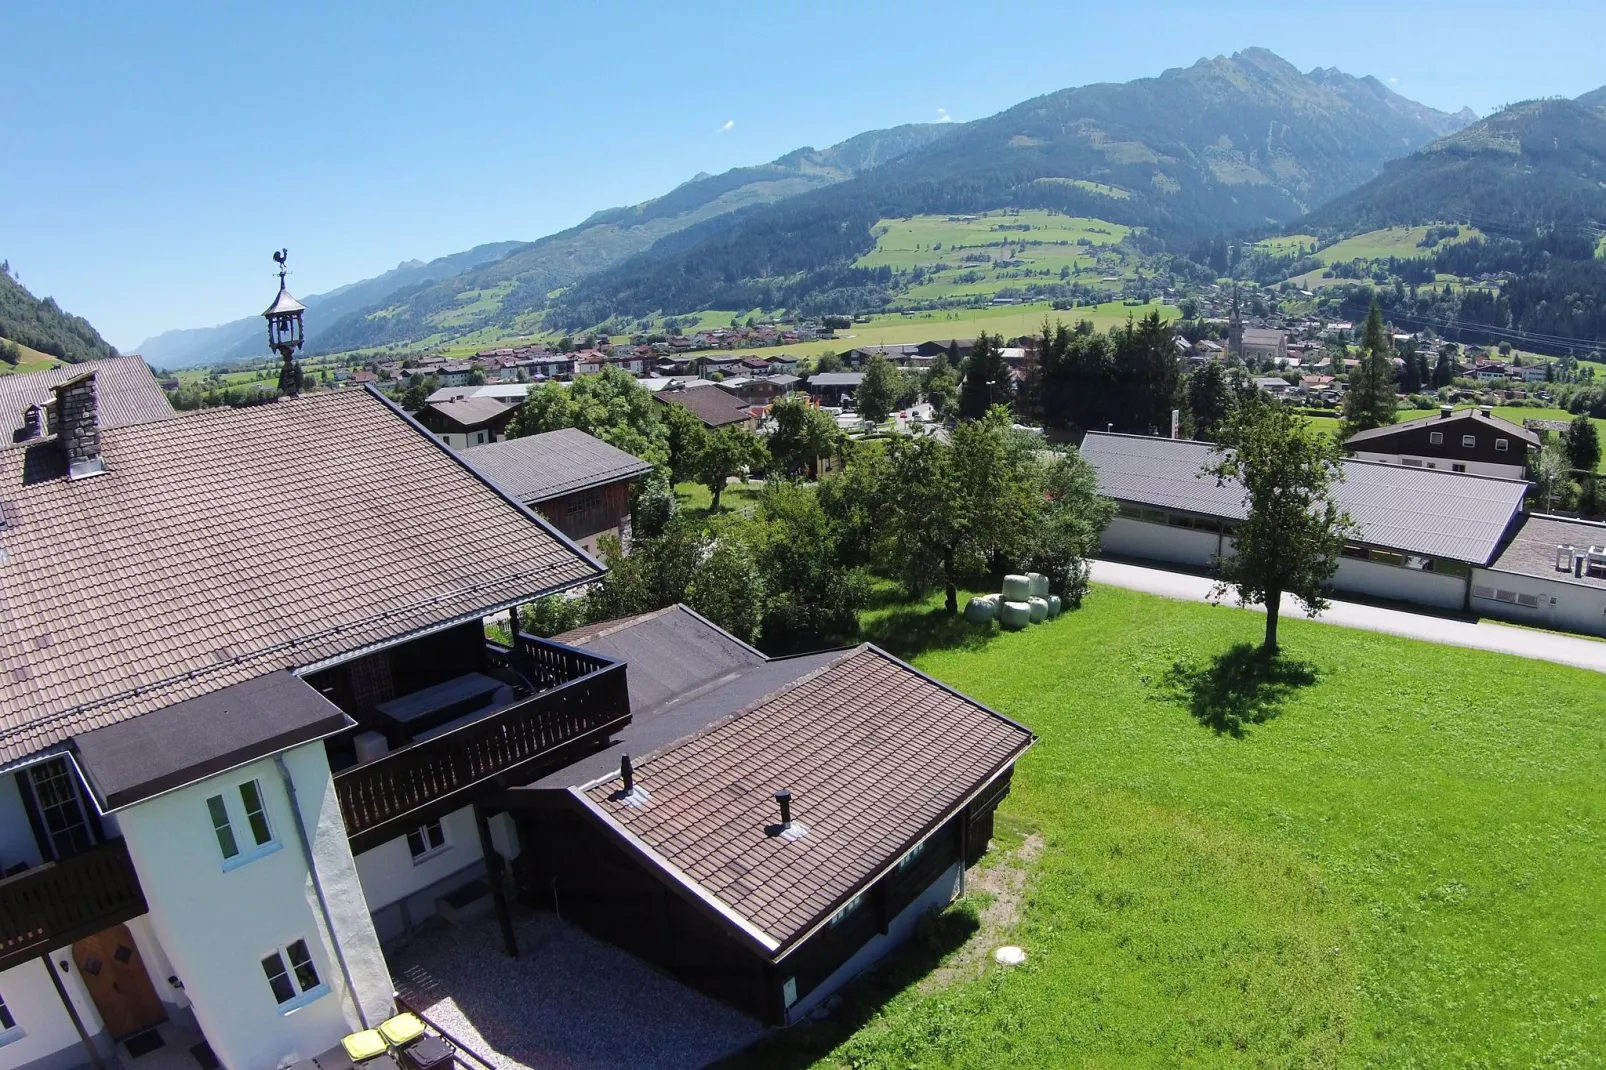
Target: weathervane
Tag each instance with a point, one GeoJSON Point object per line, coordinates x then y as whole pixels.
{"type": "Point", "coordinates": [285, 329]}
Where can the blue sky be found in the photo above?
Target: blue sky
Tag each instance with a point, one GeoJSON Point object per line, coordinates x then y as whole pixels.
{"type": "Point", "coordinates": [152, 155]}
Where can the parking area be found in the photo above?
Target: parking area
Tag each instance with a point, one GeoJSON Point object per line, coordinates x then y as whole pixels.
{"type": "Point", "coordinates": [568, 1002]}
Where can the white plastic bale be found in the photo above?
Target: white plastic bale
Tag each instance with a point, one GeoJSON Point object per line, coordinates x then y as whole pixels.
{"type": "Point", "coordinates": [1039, 584]}
{"type": "Point", "coordinates": [1014, 615]}
{"type": "Point", "coordinates": [1038, 608]}
{"type": "Point", "coordinates": [1017, 588]}
{"type": "Point", "coordinates": [1054, 606]}
{"type": "Point", "coordinates": [980, 610]}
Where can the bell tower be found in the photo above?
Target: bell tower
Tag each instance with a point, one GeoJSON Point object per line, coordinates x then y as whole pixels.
{"type": "Point", "coordinates": [285, 329]}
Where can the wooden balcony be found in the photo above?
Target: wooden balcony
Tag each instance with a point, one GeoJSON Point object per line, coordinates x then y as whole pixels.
{"type": "Point", "coordinates": [579, 697]}
{"type": "Point", "coordinates": [52, 905]}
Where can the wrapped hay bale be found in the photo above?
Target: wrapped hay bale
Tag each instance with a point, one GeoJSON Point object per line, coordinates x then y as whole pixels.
{"type": "Point", "coordinates": [1038, 609]}
{"type": "Point", "coordinates": [1014, 615]}
{"type": "Point", "coordinates": [1017, 588]}
{"type": "Point", "coordinates": [981, 610]}
{"type": "Point", "coordinates": [1039, 584]}
{"type": "Point", "coordinates": [1054, 606]}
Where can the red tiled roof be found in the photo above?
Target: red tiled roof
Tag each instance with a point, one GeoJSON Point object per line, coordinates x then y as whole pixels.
{"type": "Point", "coordinates": [876, 756]}
{"type": "Point", "coordinates": [226, 544]}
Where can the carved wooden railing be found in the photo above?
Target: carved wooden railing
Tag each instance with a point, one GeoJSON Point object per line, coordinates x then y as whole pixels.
{"type": "Point", "coordinates": [52, 905]}
{"type": "Point", "coordinates": [578, 695]}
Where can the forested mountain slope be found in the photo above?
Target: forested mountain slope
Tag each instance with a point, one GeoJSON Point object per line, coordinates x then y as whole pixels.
{"type": "Point", "coordinates": [39, 323]}
{"type": "Point", "coordinates": [1225, 144]}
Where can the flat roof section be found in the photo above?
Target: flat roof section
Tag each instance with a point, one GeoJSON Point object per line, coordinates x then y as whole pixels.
{"type": "Point", "coordinates": [1533, 550]}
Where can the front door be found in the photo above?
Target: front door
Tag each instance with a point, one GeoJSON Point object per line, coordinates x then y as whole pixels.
{"type": "Point", "coordinates": [114, 973]}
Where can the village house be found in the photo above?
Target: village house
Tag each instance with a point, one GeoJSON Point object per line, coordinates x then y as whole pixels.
{"type": "Point", "coordinates": [1457, 440]}
{"type": "Point", "coordinates": [456, 373]}
{"type": "Point", "coordinates": [578, 482]}
{"type": "Point", "coordinates": [759, 391]}
{"type": "Point", "coordinates": [467, 421]}
{"type": "Point", "coordinates": [832, 388]}
{"type": "Point", "coordinates": [714, 408]}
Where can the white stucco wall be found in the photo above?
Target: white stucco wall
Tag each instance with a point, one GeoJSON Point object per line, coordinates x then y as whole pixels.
{"type": "Point", "coordinates": [16, 835]}
{"type": "Point", "coordinates": [1160, 542]}
{"type": "Point", "coordinates": [49, 1040]}
{"type": "Point", "coordinates": [215, 925]}
{"type": "Point", "coordinates": [1377, 580]}
{"type": "Point", "coordinates": [1515, 470]}
{"type": "Point", "coordinates": [389, 873]}
{"type": "Point", "coordinates": [1578, 607]}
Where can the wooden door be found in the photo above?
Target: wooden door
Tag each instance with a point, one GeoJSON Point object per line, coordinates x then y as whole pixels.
{"type": "Point", "coordinates": [114, 973]}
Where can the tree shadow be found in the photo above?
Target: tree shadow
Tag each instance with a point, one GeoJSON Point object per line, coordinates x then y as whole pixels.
{"type": "Point", "coordinates": [908, 633]}
{"type": "Point", "coordinates": [804, 1044]}
{"type": "Point", "coordinates": [1239, 687]}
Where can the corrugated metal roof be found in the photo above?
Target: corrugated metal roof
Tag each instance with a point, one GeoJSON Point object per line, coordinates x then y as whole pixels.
{"type": "Point", "coordinates": [1416, 510]}
{"type": "Point", "coordinates": [539, 467]}
{"type": "Point", "coordinates": [126, 392]}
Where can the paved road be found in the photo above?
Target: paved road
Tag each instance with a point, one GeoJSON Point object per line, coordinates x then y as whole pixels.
{"type": "Point", "coordinates": [1480, 635]}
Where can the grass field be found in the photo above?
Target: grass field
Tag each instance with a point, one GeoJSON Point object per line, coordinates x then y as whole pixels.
{"type": "Point", "coordinates": [32, 361]}
{"type": "Point", "coordinates": [1397, 862]}
{"type": "Point", "coordinates": [1373, 245]}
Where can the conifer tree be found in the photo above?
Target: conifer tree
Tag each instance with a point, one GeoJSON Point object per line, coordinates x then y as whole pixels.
{"type": "Point", "coordinates": [1370, 401]}
{"type": "Point", "coordinates": [987, 381]}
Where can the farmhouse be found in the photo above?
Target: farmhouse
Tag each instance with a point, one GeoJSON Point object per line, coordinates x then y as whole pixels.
{"type": "Point", "coordinates": [777, 825]}
{"type": "Point", "coordinates": [1466, 440]}
{"type": "Point", "coordinates": [580, 483]}
{"type": "Point", "coordinates": [467, 421]}
{"type": "Point", "coordinates": [714, 408]}
{"type": "Point", "coordinates": [1422, 531]}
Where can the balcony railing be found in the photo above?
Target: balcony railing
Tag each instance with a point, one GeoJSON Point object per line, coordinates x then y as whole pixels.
{"type": "Point", "coordinates": [578, 696]}
{"type": "Point", "coordinates": [52, 905]}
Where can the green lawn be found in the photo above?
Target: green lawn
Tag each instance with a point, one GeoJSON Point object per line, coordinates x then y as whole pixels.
{"type": "Point", "coordinates": [906, 243]}
{"type": "Point", "coordinates": [695, 498]}
{"type": "Point", "coordinates": [1400, 864]}
{"type": "Point", "coordinates": [32, 361]}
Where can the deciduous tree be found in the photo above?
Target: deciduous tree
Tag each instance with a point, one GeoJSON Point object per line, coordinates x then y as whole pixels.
{"type": "Point", "coordinates": [730, 451]}
{"type": "Point", "coordinates": [1289, 542]}
{"type": "Point", "coordinates": [1583, 444]}
{"type": "Point", "coordinates": [611, 405]}
{"type": "Point", "coordinates": [878, 391]}
{"type": "Point", "coordinates": [801, 436]}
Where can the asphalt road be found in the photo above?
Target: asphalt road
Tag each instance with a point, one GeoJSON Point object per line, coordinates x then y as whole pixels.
{"type": "Point", "coordinates": [1455, 631]}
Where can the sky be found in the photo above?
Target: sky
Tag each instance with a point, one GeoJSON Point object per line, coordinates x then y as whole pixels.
{"type": "Point", "coordinates": [153, 155]}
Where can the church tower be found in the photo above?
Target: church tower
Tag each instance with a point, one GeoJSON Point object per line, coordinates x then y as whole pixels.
{"type": "Point", "coordinates": [1235, 328]}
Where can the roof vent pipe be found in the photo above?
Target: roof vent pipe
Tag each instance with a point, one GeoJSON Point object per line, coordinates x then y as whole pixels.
{"type": "Point", "coordinates": [1445, 411]}
{"type": "Point", "coordinates": [784, 797]}
{"type": "Point", "coordinates": [627, 773]}
{"type": "Point", "coordinates": [1487, 410]}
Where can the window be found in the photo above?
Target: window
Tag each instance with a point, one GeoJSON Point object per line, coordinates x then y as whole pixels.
{"type": "Point", "coordinates": [1469, 441]}
{"type": "Point", "coordinates": [1502, 445]}
{"type": "Point", "coordinates": [292, 977]}
{"type": "Point", "coordinates": [1458, 468]}
{"type": "Point", "coordinates": [585, 501]}
{"type": "Point", "coordinates": [61, 812]}
{"type": "Point", "coordinates": [913, 856]}
{"type": "Point", "coordinates": [479, 438]}
{"type": "Point", "coordinates": [427, 841]}
{"type": "Point", "coordinates": [850, 908]}
{"type": "Point", "coordinates": [1436, 438]}
{"type": "Point", "coordinates": [9, 1029]}
{"type": "Point", "coordinates": [247, 813]}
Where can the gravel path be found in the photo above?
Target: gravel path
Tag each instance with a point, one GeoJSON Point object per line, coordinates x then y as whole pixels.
{"type": "Point", "coordinates": [568, 1002]}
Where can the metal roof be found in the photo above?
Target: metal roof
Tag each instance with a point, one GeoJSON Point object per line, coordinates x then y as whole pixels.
{"type": "Point", "coordinates": [836, 378]}
{"type": "Point", "coordinates": [540, 467]}
{"type": "Point", "coordinates": [1415, 510]}
{"type": "Point", "coordinates": [1533, 549]}
{"type": "Point", "coordinates": [126, 392]}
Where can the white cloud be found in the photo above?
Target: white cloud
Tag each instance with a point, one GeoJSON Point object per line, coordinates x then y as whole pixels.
{"type": "Point", "coordinates": [943, 116]}
{"type": "Point", "coordinates": [730, 124]}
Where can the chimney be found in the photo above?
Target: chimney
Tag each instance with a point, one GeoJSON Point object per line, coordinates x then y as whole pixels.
{"type": "Point", "coordinates": [1445, 411]}
{"type": "Point", "coordinates": [1487, 410]}
{"type": "Point", "coordinates": [78, 426]}
{"type": "Point", "coordinates": [784, 797]}
{"type": "Point", "coordinates": [34, 421]}
{"type": "Point", "coordinates": [627, 773]}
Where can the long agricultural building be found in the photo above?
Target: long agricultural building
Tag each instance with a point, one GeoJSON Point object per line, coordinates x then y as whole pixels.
{"type": "Point", "coordinates": [1422, 533]}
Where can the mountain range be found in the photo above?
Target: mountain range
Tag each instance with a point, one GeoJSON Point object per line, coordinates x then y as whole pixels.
{"type": "Point", "coordinates": [1226, 144]}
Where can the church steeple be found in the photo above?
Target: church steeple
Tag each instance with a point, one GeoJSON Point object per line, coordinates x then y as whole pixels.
{"type": "Point", "coordinates": [1235, 328]}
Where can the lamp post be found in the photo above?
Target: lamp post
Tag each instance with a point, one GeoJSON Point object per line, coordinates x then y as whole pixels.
{"type": "Point", "coordinates": [284, 330]}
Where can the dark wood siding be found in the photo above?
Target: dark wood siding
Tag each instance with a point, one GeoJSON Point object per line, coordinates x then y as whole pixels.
{"type": "Point", "coordinates": [1417, 442]}
{"type": "Point", "coordinates": [585, 513]}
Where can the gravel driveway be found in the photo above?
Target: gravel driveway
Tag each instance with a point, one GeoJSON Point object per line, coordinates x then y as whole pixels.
{"type": "Point", "coordinates": [568, 1002]}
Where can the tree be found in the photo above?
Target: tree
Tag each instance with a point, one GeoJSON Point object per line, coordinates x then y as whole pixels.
{"type": "Point", "coordinates": [801, 436]}
{"type": "Point", "coordinates": [813, 596]}
{"type": "Point", "coordinates": [941, 386]}
{"type": "Point", "coordinates": [987, 382]}
{"type": "Point", "coordinates": [10, 352]}
{"type": "Point", "coordinates": [1370, 401]}
{"type": "Point", "coordinates": [878, 391]}
{"type": "Point", "coordinates": [1072, 518]}
{"type": "Point", "coordinates": [1291, 538]}
{"type": "Point", "coordinates": [685, 437]}
{"type": "Point", "coordinates": [1444, 368]}
{"type": "Point", "coordinates": [729, 451]}
{"type": "Point", "coordinates": [611, 405]}
{"type": "Point", "coordinates": [1582, 442]}
{"type": "Point", "coordinates": [828, 362]}
{"type": "Point", "coordinates": [1209, 399]}
{"type": "Point", "coordinates": [711, 570]}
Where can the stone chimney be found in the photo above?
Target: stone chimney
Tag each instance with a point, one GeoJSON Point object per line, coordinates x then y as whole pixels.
{"type": "Point", "coordinates": [78, 426]}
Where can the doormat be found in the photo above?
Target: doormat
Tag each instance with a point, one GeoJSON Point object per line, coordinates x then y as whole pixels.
{"type": "Point", "coordinates": [143, 1043]}
{"type": "Point", "coordinates": [203, 1055]}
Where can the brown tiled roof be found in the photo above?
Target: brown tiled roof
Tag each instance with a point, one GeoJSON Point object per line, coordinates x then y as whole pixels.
{"type": "Point", "coordinates": [228, 543]}
{"type": "Point", "coordinates": [876, 755]}
{"type": "Point", "coordinates": [538, 467]}
{"type": "Point", "coordinates": [125, 392]}
{"type": "Point", "coordinates": [713, 407]}
{"type": "Point", "coordinates": [470, 411]}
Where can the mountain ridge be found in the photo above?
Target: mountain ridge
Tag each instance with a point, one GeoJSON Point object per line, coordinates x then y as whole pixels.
{"type": "Point", "coordinates": [41, 324]}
